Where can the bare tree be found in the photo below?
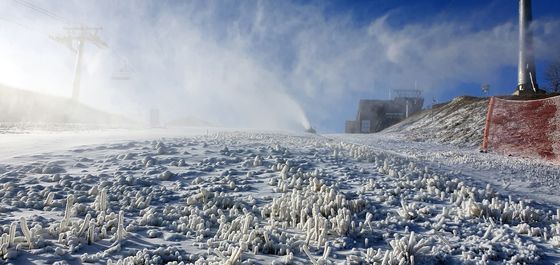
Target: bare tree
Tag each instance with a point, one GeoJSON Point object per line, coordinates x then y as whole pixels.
{"type": "Point", "coordinates": [552, 75]}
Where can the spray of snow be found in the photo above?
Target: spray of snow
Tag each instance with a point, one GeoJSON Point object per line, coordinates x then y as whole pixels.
{"type": "Point", "coordinates": [242, 64]}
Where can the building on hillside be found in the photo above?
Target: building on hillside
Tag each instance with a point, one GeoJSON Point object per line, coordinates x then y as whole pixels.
{"type": "Point", "coordinates": [375, 115]}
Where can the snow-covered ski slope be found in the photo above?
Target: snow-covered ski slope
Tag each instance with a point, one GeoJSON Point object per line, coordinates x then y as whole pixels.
{"type": "Point", "coordinates": [227, 197]}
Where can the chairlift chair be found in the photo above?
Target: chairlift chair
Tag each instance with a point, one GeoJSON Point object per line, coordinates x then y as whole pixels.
{"type": "Point", "coordinates": [121, 75]}
{"type": "Point", "coordinates": [124, 72]}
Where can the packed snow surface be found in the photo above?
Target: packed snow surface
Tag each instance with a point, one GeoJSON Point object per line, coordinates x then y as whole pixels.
{"type": "Point", "coordinates": [272, 198]}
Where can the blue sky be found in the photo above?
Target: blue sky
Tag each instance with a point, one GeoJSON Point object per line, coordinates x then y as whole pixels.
{"type": "Point", "coordinates": [480, 14]}
{"type": "Point", "coordinates": [477, 14]}
{"type": "Point", "coordinates": [272, 64]}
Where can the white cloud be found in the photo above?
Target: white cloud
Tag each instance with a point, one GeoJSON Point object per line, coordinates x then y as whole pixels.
{"type": "Point", "coordinates": [253, 63]}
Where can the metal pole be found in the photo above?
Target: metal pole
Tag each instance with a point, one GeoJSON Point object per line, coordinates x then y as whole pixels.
{"type": "Point", "coordinates": [406, 114]}
{"type": "Point", "coordinates": [487, 125]}
{"type": "Point", "coordinates": [526, 68]}
{"type": "Point", "coordinates": [77, 71]}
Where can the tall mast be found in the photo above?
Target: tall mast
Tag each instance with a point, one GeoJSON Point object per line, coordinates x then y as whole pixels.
{"type": "Point", "coordinates": [526, 76]}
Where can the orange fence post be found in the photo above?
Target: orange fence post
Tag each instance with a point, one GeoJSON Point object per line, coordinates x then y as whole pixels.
{"type": "Point", "coordinates": [487, 125]}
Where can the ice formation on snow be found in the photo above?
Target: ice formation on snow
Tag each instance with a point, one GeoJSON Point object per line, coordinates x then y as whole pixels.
{"type": "Point", "coordinates": [248, 198]}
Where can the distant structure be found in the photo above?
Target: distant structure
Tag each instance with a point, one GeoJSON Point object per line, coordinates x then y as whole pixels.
{"type": "Point", "coordinates": [375, 115]}
{"type": "Point", "coordinates": [154, 118]}
{"type": "Point", "coordinates": [485, 88]}
{"type": "Point", "coordinates": [526, 75]}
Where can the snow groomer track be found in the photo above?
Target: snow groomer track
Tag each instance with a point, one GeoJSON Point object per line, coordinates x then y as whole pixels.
{"type": "Point", "coordinates": [259, 198]}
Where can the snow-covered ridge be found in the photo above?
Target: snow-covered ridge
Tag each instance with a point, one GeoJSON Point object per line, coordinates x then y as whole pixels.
{"type": "Point", "coordinates": [254, 198]}
{"type": "Point", "coordinates": [459, 122]}
{"type": "Point", "coordinates": [28, 110]}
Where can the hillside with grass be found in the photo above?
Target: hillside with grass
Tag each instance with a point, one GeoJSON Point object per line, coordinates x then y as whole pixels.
{"type": "Point", "coordinates": [460, 122]}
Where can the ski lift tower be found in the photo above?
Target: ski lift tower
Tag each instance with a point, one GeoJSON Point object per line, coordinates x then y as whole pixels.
{"type": "Point", "coordinates": [74, 39]}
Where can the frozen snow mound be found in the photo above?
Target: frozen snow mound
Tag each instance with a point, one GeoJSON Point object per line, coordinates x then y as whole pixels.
{"type": "Point", "coordinates": [30, 110]}
{"type": "Point", "coordinates": [459, 122]}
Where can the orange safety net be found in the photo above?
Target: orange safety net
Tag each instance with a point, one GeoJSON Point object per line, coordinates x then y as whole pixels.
{"type": "Point", "coordinates": [526, 128]}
